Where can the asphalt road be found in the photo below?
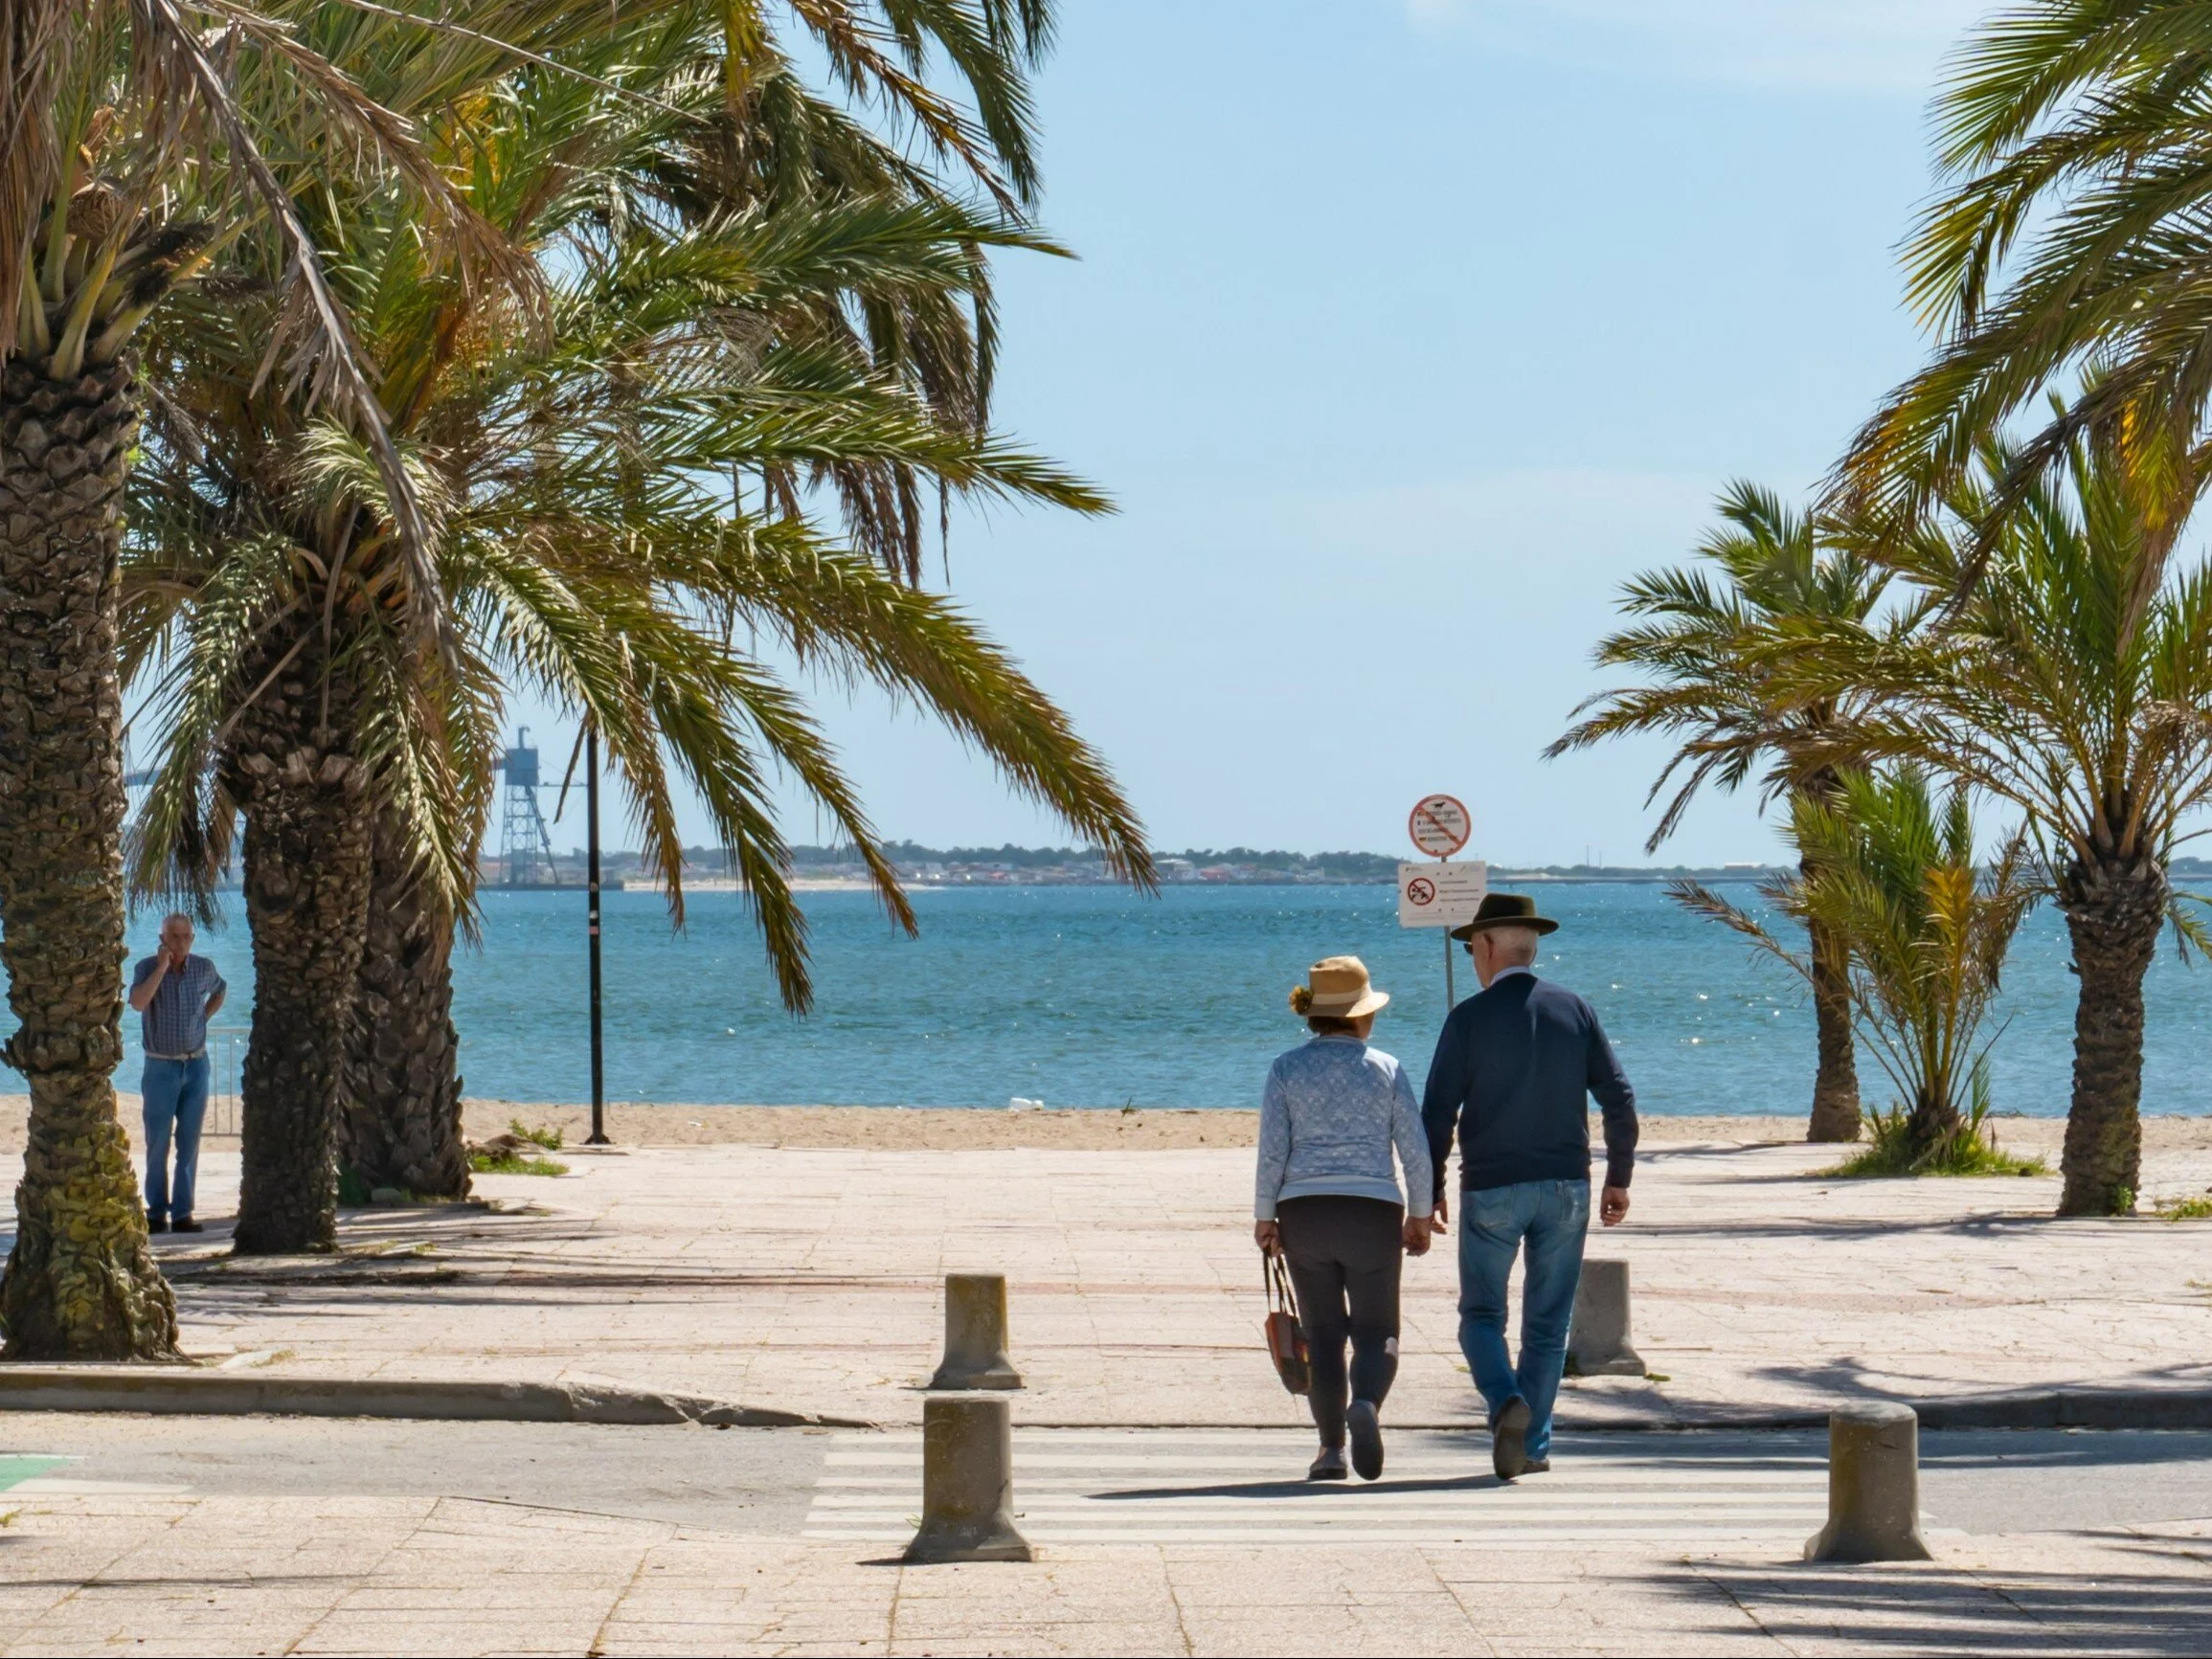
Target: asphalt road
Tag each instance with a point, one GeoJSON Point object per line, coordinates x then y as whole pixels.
{"type": "Point", "coordinates": [762, 1480]}
{"type": "Point", "coordinates": [755, 1481]}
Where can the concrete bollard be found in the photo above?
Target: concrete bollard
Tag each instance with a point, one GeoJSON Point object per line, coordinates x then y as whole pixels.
{"type": "Point", "coordinates": [1873, 1487]}
{"type": "Point", "coordinates": [975, 1333]}
{"type": "Point", "coordinates": [968, 1484]}
{"type": "Point", "coordinates": [1597, 1343]}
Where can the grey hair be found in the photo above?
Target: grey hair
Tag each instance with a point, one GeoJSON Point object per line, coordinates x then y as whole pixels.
{"type": "Point", "coordinates": [184, 916]}
{"type": "Point", "coordinates": [1516, 947]}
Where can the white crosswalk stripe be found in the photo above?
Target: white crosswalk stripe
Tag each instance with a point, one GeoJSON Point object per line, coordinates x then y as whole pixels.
{"type": "Point", "coordinates": [1243, 1487]}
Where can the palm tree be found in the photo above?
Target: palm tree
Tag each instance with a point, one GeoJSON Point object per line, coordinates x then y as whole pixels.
{"type": "Point", "coordinates": [2074, 232]}
{"type": "Point", "coordinates": [1701, 639]}
{"type": "Point", "coordinates": [134, 146]}
{"type": "Point", "coordinates": [2058, 687]}
{"type": "Point", "coordinates": [760, 138]}
{"type": "Point", "coordinates": [1894, 876]}
{"type": "Point", "coordinates": [581, 553]}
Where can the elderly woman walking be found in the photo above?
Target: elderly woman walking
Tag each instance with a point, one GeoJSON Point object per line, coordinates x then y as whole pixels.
{"type": "Point", "coordinates": [1327, 1200]}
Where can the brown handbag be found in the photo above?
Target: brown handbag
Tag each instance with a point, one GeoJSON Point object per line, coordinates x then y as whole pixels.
{"type": "Point", "coordinates": [1286, 1343]}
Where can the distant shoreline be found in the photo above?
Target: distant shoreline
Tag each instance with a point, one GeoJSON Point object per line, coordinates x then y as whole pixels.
{"type": "Point", "coordinates": [973, 884]}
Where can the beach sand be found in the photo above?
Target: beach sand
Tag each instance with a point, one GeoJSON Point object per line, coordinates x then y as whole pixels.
{"type": "Point", "coordinates": [903, 1129]}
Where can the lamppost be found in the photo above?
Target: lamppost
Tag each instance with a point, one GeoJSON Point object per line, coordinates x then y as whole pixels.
{"type": "Point", "coordinates": [598, 1134]}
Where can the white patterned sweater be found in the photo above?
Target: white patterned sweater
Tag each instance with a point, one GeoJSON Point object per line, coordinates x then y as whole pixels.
{"type": "Point", "coordinates": [1333, 1109]}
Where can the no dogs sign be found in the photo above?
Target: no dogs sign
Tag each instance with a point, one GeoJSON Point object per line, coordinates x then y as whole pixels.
{"type": "Point", "coordinates": [1440, 895]}
{"type": "Point", "coordinates": [1440, 825]}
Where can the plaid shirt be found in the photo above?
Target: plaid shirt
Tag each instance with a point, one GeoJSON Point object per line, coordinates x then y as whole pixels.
{"type": "Point", "coordinates": [176, 1020]}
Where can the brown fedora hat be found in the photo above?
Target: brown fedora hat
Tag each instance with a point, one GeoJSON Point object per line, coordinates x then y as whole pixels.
{"type": "Point", "coordinates": [1506, 910]}
{"type": "Point", "coordinates": [1338, 987]}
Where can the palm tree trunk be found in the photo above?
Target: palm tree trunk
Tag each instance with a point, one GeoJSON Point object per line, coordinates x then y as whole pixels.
{"type": "Point", "coordinates": [307, 863]}
{"type": "Point", "coordinates": [1836, 1115]}
{"type": "Point", "coordinates": [81, 1283]}
{"type": "Point", "coordinates": [1934, 1119]}
{"type": "Point", "coordinates": [402, 1122]}
{"type": "Point", "coordinates": [2114, 910]}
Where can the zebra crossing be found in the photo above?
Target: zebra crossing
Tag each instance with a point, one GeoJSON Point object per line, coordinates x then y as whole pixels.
{"type": "Point", "coordinates": [1246, 1487]}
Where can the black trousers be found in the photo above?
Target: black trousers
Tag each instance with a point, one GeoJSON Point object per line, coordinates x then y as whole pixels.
{"type": "Point", "coordinates": [1346, 1256]}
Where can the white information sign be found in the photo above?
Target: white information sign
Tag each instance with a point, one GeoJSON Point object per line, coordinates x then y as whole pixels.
{"type": "Point", "coordinates": [1440, 895]}
{"type": "Point", "coordinates": [1440, 825]}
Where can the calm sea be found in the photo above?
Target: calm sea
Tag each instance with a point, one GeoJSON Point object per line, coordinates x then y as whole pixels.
{"type": "Point", "coordinates": [1090, 996]}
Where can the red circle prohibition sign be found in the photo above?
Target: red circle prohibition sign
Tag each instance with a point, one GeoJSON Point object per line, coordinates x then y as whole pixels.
{"type": "Point", "coordinates": [1439, 825]}
{"type": "Point", "coordinates": [1421, 890]}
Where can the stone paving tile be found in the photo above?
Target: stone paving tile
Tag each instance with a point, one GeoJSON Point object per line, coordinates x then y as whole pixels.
{"type": "Point", "coordinates": [542, 1581]}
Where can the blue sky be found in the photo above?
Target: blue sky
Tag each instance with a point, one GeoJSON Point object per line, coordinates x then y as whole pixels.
{"type": "Point", "coordinates": [1403, 330]}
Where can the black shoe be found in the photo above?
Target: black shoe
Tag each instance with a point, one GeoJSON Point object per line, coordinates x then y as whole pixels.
{"type": "Point", "coordinates": [186, 1224]}
{"type": "Point", "coordinates": [157, 1223]}
{"type": "Point", "coordinates": [1537, 1465]}
{"type": "Point", "coordinates": [1510, 1439]}
{"type": "Point", "coordinates": [1366, 1428]}
{"type": "Point", "coordinates": [1329, 1466]}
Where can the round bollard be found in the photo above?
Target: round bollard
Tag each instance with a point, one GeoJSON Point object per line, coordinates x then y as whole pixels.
{"type": "Point", "coordinates": [1873, 1487]}
{"type": "Point", "coordinates": [975, 1333]}
{"type": "Point", "coordinates": [1597, 1343]}
{"type": "Point", "coordinates": [968, 1484]}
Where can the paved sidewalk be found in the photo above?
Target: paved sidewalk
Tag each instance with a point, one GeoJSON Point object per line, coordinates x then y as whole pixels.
{"type": "Point", "coordinates": [153, 1573]}
{"type": "Point", "coordinates": [809, 1280]}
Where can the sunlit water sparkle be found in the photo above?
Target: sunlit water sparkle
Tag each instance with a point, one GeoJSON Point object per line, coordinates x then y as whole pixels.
{"type": "Point", "coordinates": [1092, 997]}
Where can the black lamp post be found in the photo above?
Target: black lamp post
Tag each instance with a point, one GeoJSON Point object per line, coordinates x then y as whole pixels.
{"type": "Point", "coordinates": [598, 1134]}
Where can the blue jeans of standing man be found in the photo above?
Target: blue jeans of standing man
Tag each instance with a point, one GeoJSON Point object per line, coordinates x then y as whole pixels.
{"type": "Point", "coordinates": [1549, 1218]}
{"type": "Point", "coordinates": [176, 1093]}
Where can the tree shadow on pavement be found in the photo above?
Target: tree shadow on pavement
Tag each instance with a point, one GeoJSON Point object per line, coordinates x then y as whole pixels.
{"type": "Point", "coordinates": [2142, 1599]}
{"type": "Point", "coordinates": [1845, 1378]}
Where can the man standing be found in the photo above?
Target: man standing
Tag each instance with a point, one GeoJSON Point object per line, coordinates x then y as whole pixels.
{"type": "Point", "coordinates": [173, 993]}
{"type": "Point", "coordinates": [1512, 1072]}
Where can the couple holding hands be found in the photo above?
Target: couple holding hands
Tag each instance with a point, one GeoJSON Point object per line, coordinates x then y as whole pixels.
{"type": "Point", "coordinates": [1512, 1075]}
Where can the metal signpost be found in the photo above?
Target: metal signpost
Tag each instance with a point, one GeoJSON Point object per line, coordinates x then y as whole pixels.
{"type": "Point", "coordinates": [1442, 895]}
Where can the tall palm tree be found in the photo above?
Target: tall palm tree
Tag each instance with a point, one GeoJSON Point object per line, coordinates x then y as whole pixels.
{"type": "Point", "coordinates": [583, 552]}
{"type": "Point", "coordinates": [1701, 640]}
{"type": "Point", "coordinates": [1894, 873]}
{"type": "Point", "coordinates": [760, 138]}
{"type": "Point", "coordinates": [2058, 687]}
{"type": "Point", "coordinates": [135, 144]}
{"type": "Point", "coordinates": [2072, 231]}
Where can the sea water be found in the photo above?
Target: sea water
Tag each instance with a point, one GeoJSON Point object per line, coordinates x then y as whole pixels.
{"type": "Point", "coordinates": [1092, 997]}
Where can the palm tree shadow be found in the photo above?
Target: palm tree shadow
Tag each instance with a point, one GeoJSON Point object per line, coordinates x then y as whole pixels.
{"type": "Point", "coordinates": [2163, 1610]}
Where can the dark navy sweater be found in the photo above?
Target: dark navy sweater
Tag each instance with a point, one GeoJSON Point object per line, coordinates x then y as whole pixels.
{"type": "Point", "coordinates": [1512, 1073]}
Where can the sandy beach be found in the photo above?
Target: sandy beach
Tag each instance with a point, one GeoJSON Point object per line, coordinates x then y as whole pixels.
{"type": "Point", "coordinates": [907, 1129]}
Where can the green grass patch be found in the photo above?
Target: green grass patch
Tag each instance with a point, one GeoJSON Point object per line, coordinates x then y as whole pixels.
{"type": "Point", "coordinates": [508, 1163]}
{"type": "Point", "coordinates": [1970, 1149]}
{"type": "Point", "coordinates": [548, 1138]}
{"type": "Point", "coordinates": [2192, 1209]}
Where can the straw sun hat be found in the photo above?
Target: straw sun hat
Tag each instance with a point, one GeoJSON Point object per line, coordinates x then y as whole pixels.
{"type": "Point", "coordinates": [1337, 988]}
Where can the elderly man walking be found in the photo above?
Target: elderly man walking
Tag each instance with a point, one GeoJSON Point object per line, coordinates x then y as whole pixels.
{"type": "Point", "coordinates": [1512, 1074]}
{"type": "Point", "coordinates": [173, 993]}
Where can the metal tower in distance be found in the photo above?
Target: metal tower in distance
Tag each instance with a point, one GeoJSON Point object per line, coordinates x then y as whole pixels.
{"type": "Point", "coordinates": [525, 848]}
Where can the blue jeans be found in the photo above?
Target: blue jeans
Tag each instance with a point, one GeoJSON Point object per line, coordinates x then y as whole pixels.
{"type": "Point", "coordinates": [1550, 1218]}
{"type": "Point", "coordinates": [175, 1093]}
